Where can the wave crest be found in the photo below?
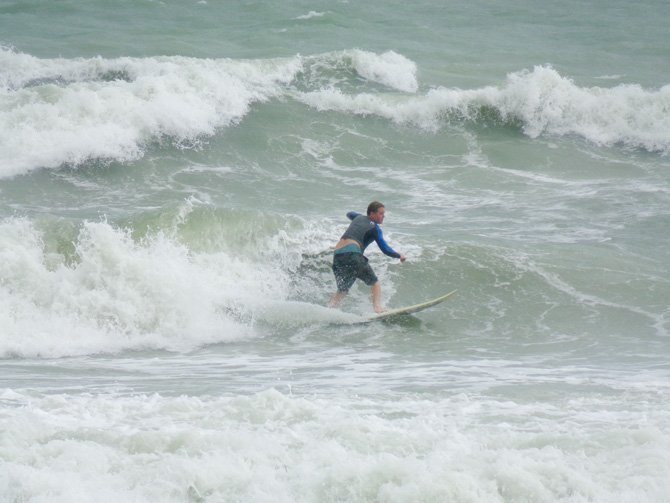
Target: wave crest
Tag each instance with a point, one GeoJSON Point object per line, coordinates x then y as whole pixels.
{"type": "Point", "coordinates": [61, 111]}
{"type": "Point", "coordinates": [541, 101]}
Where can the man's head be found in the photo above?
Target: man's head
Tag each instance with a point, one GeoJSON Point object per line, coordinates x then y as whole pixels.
{"type": "Point", "coordinates": [376, 212]}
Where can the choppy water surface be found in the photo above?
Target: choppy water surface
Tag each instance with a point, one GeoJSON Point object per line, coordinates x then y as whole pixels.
{"type": "Point", "coordinates": [173, 179]}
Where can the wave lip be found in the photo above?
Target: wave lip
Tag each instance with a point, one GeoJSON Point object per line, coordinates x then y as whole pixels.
{"type": "Point", "coordinates": [546, 102]}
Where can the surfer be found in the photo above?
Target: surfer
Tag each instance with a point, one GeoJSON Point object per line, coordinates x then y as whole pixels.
{"type": "Point", "coordinates": [350, 264]}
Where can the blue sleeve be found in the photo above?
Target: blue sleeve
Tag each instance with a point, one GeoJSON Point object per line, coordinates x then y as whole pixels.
{"type": "Point", "coordinates": [352, 214]}
{"type": "Point", "coordinates": [383, 246]}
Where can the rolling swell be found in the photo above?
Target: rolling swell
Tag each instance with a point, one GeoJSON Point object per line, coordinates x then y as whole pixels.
{"type": "Point", "coordinates": [74, 111]}
{"type": "Point", "coordinates": [534, 301]}
{"type": "Point", "coordinates": [539, 102]}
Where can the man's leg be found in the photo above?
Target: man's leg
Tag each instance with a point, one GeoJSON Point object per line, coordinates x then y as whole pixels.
{"type": "Point", "coordinates": [376, 297]}
{"type": "Point", "coordinates": [336, 299]}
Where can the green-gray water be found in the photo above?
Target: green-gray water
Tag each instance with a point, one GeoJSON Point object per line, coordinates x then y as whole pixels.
{"type": "Point", "coordinates": [174, 176]}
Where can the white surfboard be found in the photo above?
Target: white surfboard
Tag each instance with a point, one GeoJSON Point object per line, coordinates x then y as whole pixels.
{"type": "Point", "coordinates": [403, 311]}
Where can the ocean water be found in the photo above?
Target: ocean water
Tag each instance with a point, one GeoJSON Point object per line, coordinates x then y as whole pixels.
{"type": "Point", "coordinates": [174, 176]}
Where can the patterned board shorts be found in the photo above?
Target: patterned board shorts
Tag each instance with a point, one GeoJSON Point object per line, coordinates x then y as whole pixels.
{"type": "Point", "coordinates": [351, 266]}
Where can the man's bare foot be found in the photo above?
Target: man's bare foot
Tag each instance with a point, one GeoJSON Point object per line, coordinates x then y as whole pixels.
{"type": "Point", "coordinates": [379, 310]}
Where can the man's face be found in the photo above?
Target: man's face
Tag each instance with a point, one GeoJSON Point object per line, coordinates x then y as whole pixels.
{"type": "Point", "coordinates": [378, 216]}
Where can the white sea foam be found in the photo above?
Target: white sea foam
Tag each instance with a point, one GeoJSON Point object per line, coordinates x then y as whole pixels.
{"type": "Point", "coordinates": [310, 15]}
{"type": "Point", "coordinates": [117, 295]}
{"type": "Point", "coordinates": [546, 102]}
{"type": "Point", "coordinates": [543, 101]}
{"type": "Point", "coordinates": [115, 292]}
{"type": "Point", "coordinates": [390, 69]}
{"type": "Point", "coordinates": [69, 111]}
{"type": "Point", "coordinates": [279, 448]}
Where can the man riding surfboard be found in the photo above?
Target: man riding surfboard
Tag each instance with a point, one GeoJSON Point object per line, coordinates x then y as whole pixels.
{"type": "Point", "coordinates": [349, 261]}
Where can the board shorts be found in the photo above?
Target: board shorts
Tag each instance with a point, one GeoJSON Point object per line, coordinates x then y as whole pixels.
{"type": "Point", "coordinates": [348, 267]}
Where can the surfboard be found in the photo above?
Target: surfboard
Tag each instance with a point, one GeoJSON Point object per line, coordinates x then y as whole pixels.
{"type": "Point", "coordinates": [404, 311]}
